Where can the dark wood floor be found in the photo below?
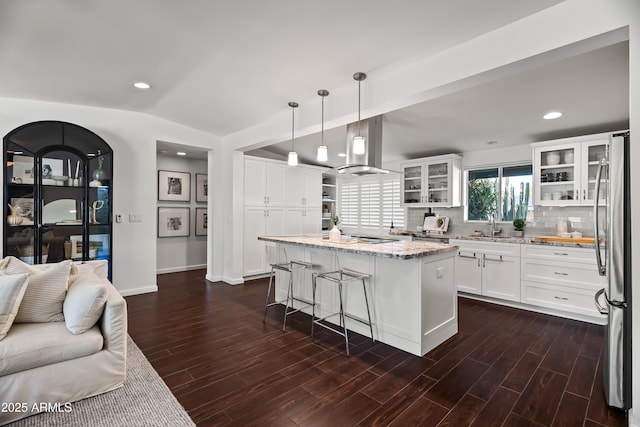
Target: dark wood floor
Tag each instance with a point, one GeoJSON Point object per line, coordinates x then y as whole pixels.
{"type": "Point", "coordinates": [506, 367]}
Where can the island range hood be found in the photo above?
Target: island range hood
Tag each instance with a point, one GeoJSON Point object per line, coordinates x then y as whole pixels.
{"type": "Point", "coordinates": [369, 163]}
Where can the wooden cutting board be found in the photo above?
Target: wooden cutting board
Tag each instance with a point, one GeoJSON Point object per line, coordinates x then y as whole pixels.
{"type": "Point", "coordinates": [587, 240]}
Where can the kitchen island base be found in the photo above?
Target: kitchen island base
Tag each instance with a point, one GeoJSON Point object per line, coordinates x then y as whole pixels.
{"type": "Point", "coordinates": [413, 301]}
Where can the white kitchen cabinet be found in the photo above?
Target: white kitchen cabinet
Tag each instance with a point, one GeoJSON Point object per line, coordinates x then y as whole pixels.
{"type": "Point", "coordinates": [260, 221]}
{"type": "Point", "coordinates": [303, 186]}
{"type": "Point", "coordinates": [264, 182]}
{"type": "Point", "coordinates": [564, 170]}
{"type": "Point", "coordinates": [300, 220]}
{"type": "Point", "coordinates": [561, 278]}
{"type": "Point", "coordinates": [489, 269]}
{"type": "Point", "coordinates": [432, 181]}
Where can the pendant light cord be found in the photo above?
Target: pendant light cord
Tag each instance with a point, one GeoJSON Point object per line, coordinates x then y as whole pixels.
{"type": "Point", "coordinates": [322, 126]}
{"type": "Point", "coordinates": [359, 107]}
{"type": "Point", "coordinates": [293, 114]}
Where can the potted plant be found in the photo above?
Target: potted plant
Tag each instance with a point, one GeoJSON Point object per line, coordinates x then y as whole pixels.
{"type": "Point", "coordinates": [518, 227]}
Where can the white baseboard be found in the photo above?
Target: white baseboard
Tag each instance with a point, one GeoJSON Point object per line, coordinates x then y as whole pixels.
{"type": "Point", "coordinates": [233, 280]}
{"type": "Point", "coordinates": [633, 420]}
{"type": "Point", "coordinates": [138, 291]}
{"type": "Point", "coordinates": [213, 278]}
{"type": "Point", "coordinates": [181, 268]}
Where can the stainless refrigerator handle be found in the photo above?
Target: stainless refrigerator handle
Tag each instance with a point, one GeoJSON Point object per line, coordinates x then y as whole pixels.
{"type": "Point", "coordinates": [601, 309]}
{"type": "Point", "coordinates": [602, 269]}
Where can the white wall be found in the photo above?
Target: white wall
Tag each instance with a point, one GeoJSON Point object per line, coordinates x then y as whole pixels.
{"type": "Point", "coordinates": [132, 136]}
{"type": "Point", "coordinates": [182, 253]}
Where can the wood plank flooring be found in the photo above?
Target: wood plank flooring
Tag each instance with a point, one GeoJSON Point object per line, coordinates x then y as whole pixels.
{"type": "Point", "coordinates": [506, 367]}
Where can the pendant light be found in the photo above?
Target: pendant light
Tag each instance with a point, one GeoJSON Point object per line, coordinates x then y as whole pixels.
{"type": "Point", "coordinates": [293, 156]}
{"type": "Point", "coordinates": [359, 140]}
{"type": "Point", "coordinates": [323, 152]}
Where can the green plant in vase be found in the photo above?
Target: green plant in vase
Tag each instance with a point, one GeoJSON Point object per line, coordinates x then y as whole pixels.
{"type": "Point", "coordinates": [518, 227]}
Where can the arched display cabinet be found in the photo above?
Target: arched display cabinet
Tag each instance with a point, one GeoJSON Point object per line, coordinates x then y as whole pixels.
{"type": "Point", "coordinates": [57, 193]}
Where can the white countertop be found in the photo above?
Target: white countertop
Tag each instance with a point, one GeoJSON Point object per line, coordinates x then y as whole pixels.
{"type": "Point", "coordinates": [400, 249]}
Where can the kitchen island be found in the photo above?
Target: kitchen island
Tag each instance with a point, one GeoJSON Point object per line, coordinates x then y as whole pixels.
{"type": "Point", "coordinates": [412, 291]}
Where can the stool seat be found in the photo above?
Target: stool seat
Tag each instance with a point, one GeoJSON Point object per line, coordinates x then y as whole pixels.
{"type": "Point", "coordinates": [341, 277]}
{"type": "Point", "coordinates": [289, 267]}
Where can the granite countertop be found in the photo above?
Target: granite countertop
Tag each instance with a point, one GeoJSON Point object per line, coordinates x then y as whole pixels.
{"type": "Point", "coordinates": [400, 249]}
{"type": "Point", "coordinates": [498, 239]}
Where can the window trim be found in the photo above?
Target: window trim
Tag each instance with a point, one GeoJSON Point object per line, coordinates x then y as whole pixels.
{"type": "Point", "coordinates": [500, 167]}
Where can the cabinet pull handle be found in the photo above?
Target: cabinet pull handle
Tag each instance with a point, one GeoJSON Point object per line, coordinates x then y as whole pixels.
{"type": "Point", "coordinates": [560, 253]}
{"type": "Point", "coordinates": [584, 194]}
{"type": "Point", "coordinates": [560, 273]}
{"type": "Point", "coordinates": [467, 256]}
{"type": "Point", "coordinates": [562, 298]}
{"type": "Point", "coordinates": [576, 195]}
{"type": "Point", "coordinates": [494, 259]}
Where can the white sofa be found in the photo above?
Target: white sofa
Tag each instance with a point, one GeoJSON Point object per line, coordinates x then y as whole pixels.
{"type": "Point", "coordinates": [44, 366]}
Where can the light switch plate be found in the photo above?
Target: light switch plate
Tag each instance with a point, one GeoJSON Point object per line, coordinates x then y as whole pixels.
{"type": "Point", "coordinates": [118, 218]}
{"type": "Point", "coordinates": [135, 217]}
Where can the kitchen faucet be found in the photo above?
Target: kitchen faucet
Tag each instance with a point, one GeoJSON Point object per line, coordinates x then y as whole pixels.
{"type": "Point", "coordinates": [492, 223]}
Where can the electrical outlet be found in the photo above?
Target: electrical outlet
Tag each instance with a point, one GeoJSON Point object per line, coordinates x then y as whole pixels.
{"type": "Point", "coordinates": [135, 217]}
{"type": "Point", "coordinates": [440, 272]}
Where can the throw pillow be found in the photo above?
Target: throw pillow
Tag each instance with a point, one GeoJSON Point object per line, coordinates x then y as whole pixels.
{"type": "Point", "coordinates": [12, 289]}
{"type": "Point", "coordinates": [84, 303]}
{"type": "Point", "coordinates": [99, 267]}
{"type": "Point", "coordinates": [45, 292]}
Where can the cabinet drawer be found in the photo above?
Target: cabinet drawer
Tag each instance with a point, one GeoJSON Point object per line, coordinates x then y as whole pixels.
{"type": "Point", "coordinates": [561, 273]}
{"type": "Point", "coordinates": [489, 248]}
{"type": "Point", "coordinates": [566, 299]}
{"type": "Point", "coordinates": [559, 253]}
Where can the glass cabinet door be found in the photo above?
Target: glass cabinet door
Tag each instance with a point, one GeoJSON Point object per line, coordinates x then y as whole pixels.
{"type": "Point", "coordinates": [438, 183]}
{"type": "Point", "coordinates": [559, 175]}
{"type": "Point", "coordinates": [412, 184]}
{"type": "Point", "coordinates": [593, 153]}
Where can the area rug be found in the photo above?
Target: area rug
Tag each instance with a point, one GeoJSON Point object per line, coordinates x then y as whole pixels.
{"type": "Point", "coordinates": [144, 400]}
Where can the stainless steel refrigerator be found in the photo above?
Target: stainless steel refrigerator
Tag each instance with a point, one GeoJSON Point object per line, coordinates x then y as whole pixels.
{"type": "Point", "coordinates": [612, 221]}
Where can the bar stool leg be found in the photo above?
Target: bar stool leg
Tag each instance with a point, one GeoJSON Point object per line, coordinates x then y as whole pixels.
{"type": "Point", "coordinates": [266, 302]}
{"type": "Point", "coordinates": [313, 306]}
{"type": "Point", "coordinates": [289, 298]}
{"type": "Point", "coordinates": [366, 302]}
{"type": "Point", "coordinates": [342, 320]}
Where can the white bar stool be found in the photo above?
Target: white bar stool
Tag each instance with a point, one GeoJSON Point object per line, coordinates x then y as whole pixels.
{"type": "Point", "coordinates": [281, 263]}
{"type": "Point", "coordinates": [341, 277]}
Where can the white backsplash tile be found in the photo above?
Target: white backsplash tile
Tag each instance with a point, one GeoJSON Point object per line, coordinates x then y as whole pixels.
{"type": "Point", "coordinates": [545, 219]}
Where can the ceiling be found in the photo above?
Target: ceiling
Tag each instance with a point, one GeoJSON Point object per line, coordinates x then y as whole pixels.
{"type": "Point", "coordinates": [224, 66]}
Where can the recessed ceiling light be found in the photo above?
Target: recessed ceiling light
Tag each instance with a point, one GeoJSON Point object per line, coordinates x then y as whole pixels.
{"type": "Point", "coordinates": [181, 153]}
{"type": "Point", "coordinates": [552, 115]}
{"type": "Point", "coordinates": [142, 85]}
{"type": "Point", "coordinates": [492, 142]}
{"type": "Point", "coordinates": [342, 155]}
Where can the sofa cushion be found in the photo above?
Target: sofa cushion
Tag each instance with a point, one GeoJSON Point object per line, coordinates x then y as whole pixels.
{"type": "Point", "coordinates": [98, 266]}
{"type": "Point", "coordinates": [84, 302]}
{"type": "Point", "coordinates": [30, 345]}
{"type": "Point", "coordinates": [45, 292]}
{"type": "Point", "coordinates": [12, 289]}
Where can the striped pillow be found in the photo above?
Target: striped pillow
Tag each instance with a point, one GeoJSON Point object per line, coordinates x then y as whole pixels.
{"type": "Point", "coordinates": [12, 289]}
{"type": "Point", "coordinates": [45, 293]}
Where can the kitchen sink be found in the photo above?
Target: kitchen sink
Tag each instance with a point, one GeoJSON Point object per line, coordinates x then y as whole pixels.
{"type": "Point", "coordinates": [373, 239]}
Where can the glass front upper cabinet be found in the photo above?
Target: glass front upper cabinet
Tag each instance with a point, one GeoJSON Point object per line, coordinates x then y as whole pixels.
{"type": "Point", "coordinates": [565, 172]}
{"type": "Point", "coordinates": [432, 181]}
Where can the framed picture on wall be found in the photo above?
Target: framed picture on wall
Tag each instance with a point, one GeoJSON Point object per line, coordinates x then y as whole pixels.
{"type": "Point", "coordinates": [174, 186]}
{"type": "Point", "coordinates": [201, 221]}
{"type": "Point", "coordinates": [173, 222]}
{"type": "Point", "coordinates": [202, 188]}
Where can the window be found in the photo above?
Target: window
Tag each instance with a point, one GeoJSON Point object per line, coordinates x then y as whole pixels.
{"type": "Point", "coordinates": [371, 204]}
{"type": "Point", "coordinates": [504, 191]}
